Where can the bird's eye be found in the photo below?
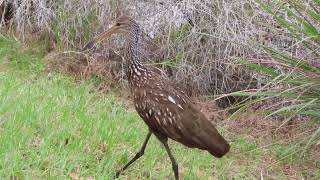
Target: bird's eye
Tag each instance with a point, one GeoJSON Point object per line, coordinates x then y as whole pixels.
{"type": "Point", "coordinates": [118, 24]}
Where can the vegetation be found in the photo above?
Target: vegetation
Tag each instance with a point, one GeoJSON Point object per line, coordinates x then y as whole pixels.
{"type": "Point", "coordinates": [52, 127]}
{"type": "Point", "coordinates": [217, 35]}
{"type": "Point", "coordinates": [297, 75]}
{"type": "Point", "coordinates": [291, 78]}
{"type": "Point", "coordinates": [55, 126]}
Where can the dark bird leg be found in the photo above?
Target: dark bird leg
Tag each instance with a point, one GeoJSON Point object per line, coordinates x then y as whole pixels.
{"type": "Point", "coordinates": [173, 160]}
{"type": "Point", "coordinates": [137, 156]}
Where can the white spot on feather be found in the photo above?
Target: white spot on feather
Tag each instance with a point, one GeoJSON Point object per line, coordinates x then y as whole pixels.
{"type": "Point", "coordinates": [164, 121]}
{"type": "Point", "coordinates": [157, 118]}
{"type": "Point", "coordinates": [141, 69]}
{"type": "Point", "coordinates": [137, 72]}
{"type": "Point", "coordinates": [170, 120]}
{"type": "Point", "coordinates": [180, 106]}
{"type": "Point", "coordinates": [171, 100]}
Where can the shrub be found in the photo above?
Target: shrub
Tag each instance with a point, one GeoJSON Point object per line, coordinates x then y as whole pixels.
{"type": "Point", "coordinates": [200, 40]}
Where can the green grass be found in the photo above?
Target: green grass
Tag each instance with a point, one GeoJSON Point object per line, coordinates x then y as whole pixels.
{"type": "Point", "coordinates": [52, 127]}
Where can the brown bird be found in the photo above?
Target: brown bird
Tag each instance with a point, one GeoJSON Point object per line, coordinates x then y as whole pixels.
{"type": "Point", "coordinates": [167, 111]}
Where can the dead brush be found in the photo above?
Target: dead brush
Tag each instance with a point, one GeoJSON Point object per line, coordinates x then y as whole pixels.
{"type": "Point", "coordinates": [85, 66]}
{"type": "Point", "coordinates": [200, 40]}
{"type": "Point", "coordinates": [6, 13]}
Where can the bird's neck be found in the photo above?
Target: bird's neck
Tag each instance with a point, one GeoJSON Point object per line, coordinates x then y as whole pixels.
{"type": "Point", "coordinates": [136, 70]}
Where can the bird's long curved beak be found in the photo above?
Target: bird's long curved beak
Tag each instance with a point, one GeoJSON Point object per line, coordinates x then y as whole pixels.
{"type": "Point", "coordinates": [100, 37]}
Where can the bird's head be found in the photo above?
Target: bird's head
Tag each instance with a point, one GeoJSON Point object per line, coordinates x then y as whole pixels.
{"type": "Point", "coordinates": [123, 24]}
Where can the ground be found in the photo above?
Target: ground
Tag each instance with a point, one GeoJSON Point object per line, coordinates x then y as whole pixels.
{"type": "Point", "coordinates": [55, 126]}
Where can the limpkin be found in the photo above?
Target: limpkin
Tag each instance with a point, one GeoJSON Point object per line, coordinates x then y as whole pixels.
{"type": "Point", "coordinates": [167, 111]}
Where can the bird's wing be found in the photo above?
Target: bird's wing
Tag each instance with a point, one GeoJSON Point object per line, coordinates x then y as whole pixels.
{"type": "Point", "coordinates": [172, 113]}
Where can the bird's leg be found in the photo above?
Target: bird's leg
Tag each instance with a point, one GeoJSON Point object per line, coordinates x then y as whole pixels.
{"type": "Point", "coordinates": [173, 160]}
{"type": "Point", "coordinates": [137, 156]}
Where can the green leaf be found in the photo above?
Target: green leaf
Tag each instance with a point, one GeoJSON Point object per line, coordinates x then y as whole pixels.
{"type": "Point", "coordinates": [314, 15]}
{"type": "Point", "coordinates": [262, 69]}
{"type": "Point", "coordinates": [266, 94]}
{"type": "Point", "coordinates": [310, 30]}
{"type": "Point", "coordinates": [317, 2]}
{"type": "Point", "coordinates": [295, 108]}
{"type": "Point", "coordinates": [290, 60]}
{"type": "Point", "coordinates": [284, 23]}
{"type": "Point", "coordinates": [311, 112]}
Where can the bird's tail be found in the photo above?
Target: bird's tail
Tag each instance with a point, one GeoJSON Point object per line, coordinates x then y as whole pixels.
{"type": "Point", "coordinates": [214, 142]}
{"type": "Point", "coordinates": [219, 147]}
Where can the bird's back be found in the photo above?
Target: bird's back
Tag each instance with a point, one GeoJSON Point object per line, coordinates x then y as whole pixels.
{"type": "Point", "coordinates": [170, 113]}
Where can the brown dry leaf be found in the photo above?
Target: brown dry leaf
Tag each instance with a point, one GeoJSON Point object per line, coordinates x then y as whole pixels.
{"type": "Point", "coordinates": [36, 142]}
{"type": "Point", "coordinates": [74, 176]}
{"type": "Point", "coordinates": [100, 152]}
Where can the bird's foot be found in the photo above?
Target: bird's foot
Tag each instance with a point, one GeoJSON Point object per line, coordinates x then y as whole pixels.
{"type": "Point", "coordinates": [116, 176]}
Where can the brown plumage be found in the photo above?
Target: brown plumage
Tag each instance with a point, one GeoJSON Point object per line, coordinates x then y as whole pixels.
{"type": "Point", "coordinates": [167, 111]}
